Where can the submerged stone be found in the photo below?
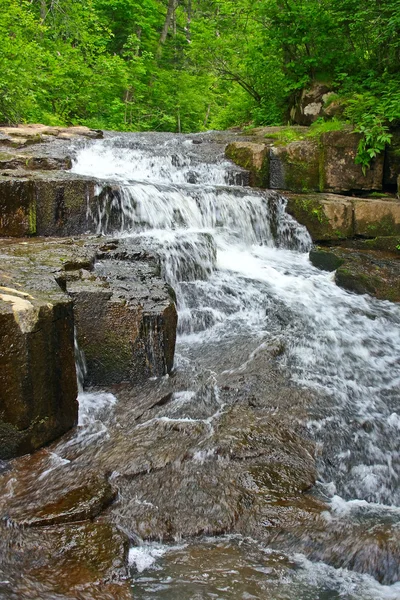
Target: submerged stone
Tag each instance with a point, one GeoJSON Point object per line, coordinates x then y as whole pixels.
{"type": "Point", "coordinates": [44, 489]}
{"type": "Point", "coordinates": [86, 561]}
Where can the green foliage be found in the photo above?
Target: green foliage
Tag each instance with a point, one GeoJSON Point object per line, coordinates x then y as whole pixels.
{"type": "Point", "coordinates": [189, 65]}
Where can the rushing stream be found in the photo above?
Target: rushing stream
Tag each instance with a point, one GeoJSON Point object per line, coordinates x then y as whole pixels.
{"type": "Point", "coordinates": [247, 295]}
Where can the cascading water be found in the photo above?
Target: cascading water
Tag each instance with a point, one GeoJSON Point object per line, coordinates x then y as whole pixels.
{"type": "Point", "coordinates": [239, 266]}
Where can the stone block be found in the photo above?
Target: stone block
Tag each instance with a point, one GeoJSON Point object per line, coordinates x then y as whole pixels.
{"type": "Point", "coordinates": [253, 157]}
{"type": "Point", "coordinates": [326, 216]}
{"type": "Point", "coordinates": [295, 167]}
{"type": "Point", "coordinates": [38, 388]}
{"type": "Point", "coordinates": [376, 217]}
{"type": "Point", "coordinates": [340, 172]}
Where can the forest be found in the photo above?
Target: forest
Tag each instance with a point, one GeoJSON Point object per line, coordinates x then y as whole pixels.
{"type": "Point", "coordinates": [193, 65]}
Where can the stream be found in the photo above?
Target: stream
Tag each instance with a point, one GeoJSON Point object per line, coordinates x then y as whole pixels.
{"type": "Point", "coordinates": [269, 348]}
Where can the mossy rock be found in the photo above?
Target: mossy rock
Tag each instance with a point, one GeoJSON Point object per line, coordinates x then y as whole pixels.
{"type": "Point", "coordinates": [254, 157]}
{"type": "Point", "coordinates": [327, 217]}
{"type": "Point", "coordinates": [296, 166]}
{"type": "Point", "coordinates": [325, 260]}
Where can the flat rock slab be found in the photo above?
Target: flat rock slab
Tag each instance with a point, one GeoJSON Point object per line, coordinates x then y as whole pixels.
{"type": "Point", "coordinates": [25, 135]}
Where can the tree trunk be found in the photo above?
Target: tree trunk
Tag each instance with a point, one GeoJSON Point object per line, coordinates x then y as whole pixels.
{"type": "Point", "coordinates": [172, 5]}
{"type": "Point", "coordinates": [43, 10]}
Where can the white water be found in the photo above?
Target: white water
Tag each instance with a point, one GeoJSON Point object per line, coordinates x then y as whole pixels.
{"type": "Point", "coordinates": [239, 264]}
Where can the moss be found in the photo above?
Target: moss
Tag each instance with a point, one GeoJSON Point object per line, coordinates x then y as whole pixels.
{"type": "Point", "coordinates": [32, 218]}
{"type": "Point", "coordinates": [386, 226]}
{"type": "Point", "coordinates": [325, 260]}
{"type": "Point", "coordinates": [301, 174]}
{"type": "Point", "coordinates": [285, 136]}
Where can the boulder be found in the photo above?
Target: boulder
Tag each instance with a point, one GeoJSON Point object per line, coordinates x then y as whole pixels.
{"type": "Point", "coordinates": [38, 388]}
{"type": "Point", "coordinates": [325, 260]}
{"type": "Point", "coordinates": [310, 106]}
{"type": "Point", "coordinates": [370, 272]}
{"type": "Point", "coordinates": [295, 166]}
{"type": "Point", "coordinates": [340, 173]}
{"type": "Point", "coordinates": [251, 156]}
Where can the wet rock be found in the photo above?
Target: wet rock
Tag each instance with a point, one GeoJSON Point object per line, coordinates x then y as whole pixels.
{"type": "Point", "coordinates": [125, 317]}
{"type": "Point", "coordinates": [44, 489]}
{"type": "Point", "coordinates": [36, 203]}
{"type": "Point", "coordinates": [124, 312]}
{"type": "Point", "coordinates": [384, 243]}
{"type": "Point", "coordinates": [326, 261]}
{"type": "Point", "coordinates": [296, 166]}
{"type": "Point", "coordinates": [37, 367]}
{"type": "Point", "coordinates": [8, 160]}
{"type": "Point", "coordinates": [83, 562]}
{"type": "Point", "coordinates": [340, 172]}
{"type": "Point", "coordinates": [363, 544]}
{"type": "Point", "coordinates": [253, 157]}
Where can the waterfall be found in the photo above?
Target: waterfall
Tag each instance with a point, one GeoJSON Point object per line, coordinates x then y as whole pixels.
{"type": "Point", "coordinates": [240, 268]}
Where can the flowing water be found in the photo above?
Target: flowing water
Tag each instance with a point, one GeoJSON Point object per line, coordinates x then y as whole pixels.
{"type": "Point", "coordinates": [239, 266]}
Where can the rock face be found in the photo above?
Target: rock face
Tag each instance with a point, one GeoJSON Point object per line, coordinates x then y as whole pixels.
{"type": "Point", "coordinates": [340, 173]}
{"type": "Point", "coordinates": [311, 104]}
{"type": "Point", "coordinates": [45, 204]}
{"type": "Point", "coordinates": [333, 217]}
{"type": "Point", "coordinates": [295, 166]}
{"type": "Point", "coordinates": [125, 316]}
{"type": "Point", "coordinates": [38, 387]}
{"type": "Point", "coordinates": [324, 164]}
